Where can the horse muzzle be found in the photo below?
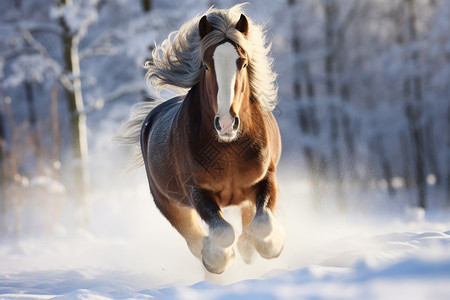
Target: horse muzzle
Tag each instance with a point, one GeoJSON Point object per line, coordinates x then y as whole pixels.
{"type": "Point", "coordinates": [226, 127]}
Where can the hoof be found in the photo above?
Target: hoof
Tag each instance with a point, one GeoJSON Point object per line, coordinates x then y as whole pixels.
{"type": "Point", "coordinates": [215, 258]}
{"type": "Point", "coordinates": [270, 247]}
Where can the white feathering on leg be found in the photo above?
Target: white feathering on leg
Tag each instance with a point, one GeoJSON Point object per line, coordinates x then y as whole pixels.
{"type": "Point", "coordinates": [268, 235]}
{"type": "Point", "coordinates": [215, 258]}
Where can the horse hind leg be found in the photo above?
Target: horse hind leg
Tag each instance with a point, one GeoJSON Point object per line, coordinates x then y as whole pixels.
{"type": "Point", "coordinates": [185, 221]}
{"type": "Point", "coordinates": [246, 240]}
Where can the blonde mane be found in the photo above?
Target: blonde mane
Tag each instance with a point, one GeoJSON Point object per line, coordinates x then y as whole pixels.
{"type": "Point", "coordinates": [176, 63]}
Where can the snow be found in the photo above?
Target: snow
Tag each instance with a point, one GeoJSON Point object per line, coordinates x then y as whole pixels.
{"type": "Point", "coordinates": [31, 68]}
{"type": "Point", "coordinates": [78, 16]}
{"type": "Point", "coordinates": [129, 251]}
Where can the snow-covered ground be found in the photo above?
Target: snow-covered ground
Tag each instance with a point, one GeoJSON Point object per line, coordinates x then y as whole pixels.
{"type": "Point", "coordinates": [378, 249]}
{"type": "Point", "coordinates": [130, 251]}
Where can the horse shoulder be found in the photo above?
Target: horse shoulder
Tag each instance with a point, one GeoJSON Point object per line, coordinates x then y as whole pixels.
{"type": "Point", "coordinates": [162, 151]}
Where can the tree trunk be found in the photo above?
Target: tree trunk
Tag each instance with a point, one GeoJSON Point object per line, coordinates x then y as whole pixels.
{"type": "Point", "coordinates": [413, 87]}
{"type": "Point", "coordinates": [55, 130]}
{"type": "Point", "coordinates": [448, 158]}
{"type": "Point", "coordinates": [431, 153]}
{"type": "Point", "coordinates": [386, 168]}
{"type": "Point", "coordinates": [12, 192]}
{"type": "Point", "coordinates": [32, 120]}
{"type": "Point", "coordinates": [77, 119]}
{"type": "Point", "coordinates": [331, 11]}
{"type": "Point", "coordinates": [3, 200]}
{"type": "Point", "coordinates": [407, 159]}
{"type": "Point", "coordinates": [344, 96]}
{"type": "Point", "coordinates": [147, 5]}
{"type": "Point", "coordinates": [32, 117]}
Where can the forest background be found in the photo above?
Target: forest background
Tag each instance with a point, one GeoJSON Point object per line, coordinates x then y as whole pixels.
{"type": "Point", "coordinates": [363, 85]}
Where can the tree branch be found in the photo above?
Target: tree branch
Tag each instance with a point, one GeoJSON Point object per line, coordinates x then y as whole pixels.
{"type": "Point", "coordinates": [105, 50]}
{"type": "Point", "coordinates": [115, 95]}
{"type": "Point", "coordinates": [49, 28]}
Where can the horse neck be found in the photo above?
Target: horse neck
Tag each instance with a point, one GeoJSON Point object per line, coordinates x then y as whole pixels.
{"type": "Point", "coordinates": [252, 116]}
{"type": "Point", "coordinates": [253, 119]}
{"type": "Point", "coordinates": [196, 114]}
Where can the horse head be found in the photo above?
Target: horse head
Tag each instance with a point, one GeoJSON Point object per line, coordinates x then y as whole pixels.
{"type": "Point", "coordinates": [225, 80]}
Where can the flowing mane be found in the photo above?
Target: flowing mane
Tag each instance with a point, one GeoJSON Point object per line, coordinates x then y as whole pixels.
{"type": "Point", "coordinates": [176, 63]}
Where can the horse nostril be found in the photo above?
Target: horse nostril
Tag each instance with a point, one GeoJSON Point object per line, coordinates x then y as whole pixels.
{"type": "Point", "coordinates": [236, 123]}
{"type": "Point", "coordinates": [217, 123]}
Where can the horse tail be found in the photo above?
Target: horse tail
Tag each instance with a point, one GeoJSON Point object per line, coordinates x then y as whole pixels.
{"type": "Point", "coordinates": [130, 133]}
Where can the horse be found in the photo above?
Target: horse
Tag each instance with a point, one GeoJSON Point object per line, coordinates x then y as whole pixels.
{"type": "Point", "coordinates": [219, 144]}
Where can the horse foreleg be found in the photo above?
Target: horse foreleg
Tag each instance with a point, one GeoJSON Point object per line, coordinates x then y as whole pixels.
{"type": "Point", "coordinates": [217, 251]}
{"type": "Point", "coordinates": [267, 234]}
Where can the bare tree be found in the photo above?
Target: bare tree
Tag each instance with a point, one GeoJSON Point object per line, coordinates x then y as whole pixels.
{"type": "Point", "coordinates": [74, 96]}
{"type": "Point", "coordinates": [386, 167]}
{"type": "Point", "coordinates": [331, 13]}
{"type": "Point", "coordinates": [414, 96]}
{"type": "Point", "coordinates": [448, 157]}
{"type": "Point", "coordinates": [305, 92]}
{"type": "Point", "coordinates": [146, 5]}
{"type": "Point", "coordinates": [13, 181]}
{"type": "Point", "coordinates": [3, 183]}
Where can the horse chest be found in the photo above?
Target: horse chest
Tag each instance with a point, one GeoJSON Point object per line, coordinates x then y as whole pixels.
{"type": "Point", "coordinates": [231, 172]}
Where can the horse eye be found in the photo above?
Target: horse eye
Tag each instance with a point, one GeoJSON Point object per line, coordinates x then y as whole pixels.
{"type": "Point", "coordinates": [205, 67]}
{"type": "Point", "coordinates": [244, 66]}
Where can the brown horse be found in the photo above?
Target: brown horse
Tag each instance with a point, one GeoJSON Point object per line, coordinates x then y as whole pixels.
{"type": "Point", "coordinates": [217, 146]}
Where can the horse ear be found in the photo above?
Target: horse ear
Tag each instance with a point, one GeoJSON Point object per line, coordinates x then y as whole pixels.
{"type": "Point", "coordinates": [204, 27]}
{"type": "Point", "coordinates": [242, 24]}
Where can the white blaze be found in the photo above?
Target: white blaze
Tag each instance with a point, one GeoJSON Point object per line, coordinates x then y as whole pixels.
{"type": "Point", "coordinates": [225, 57]}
